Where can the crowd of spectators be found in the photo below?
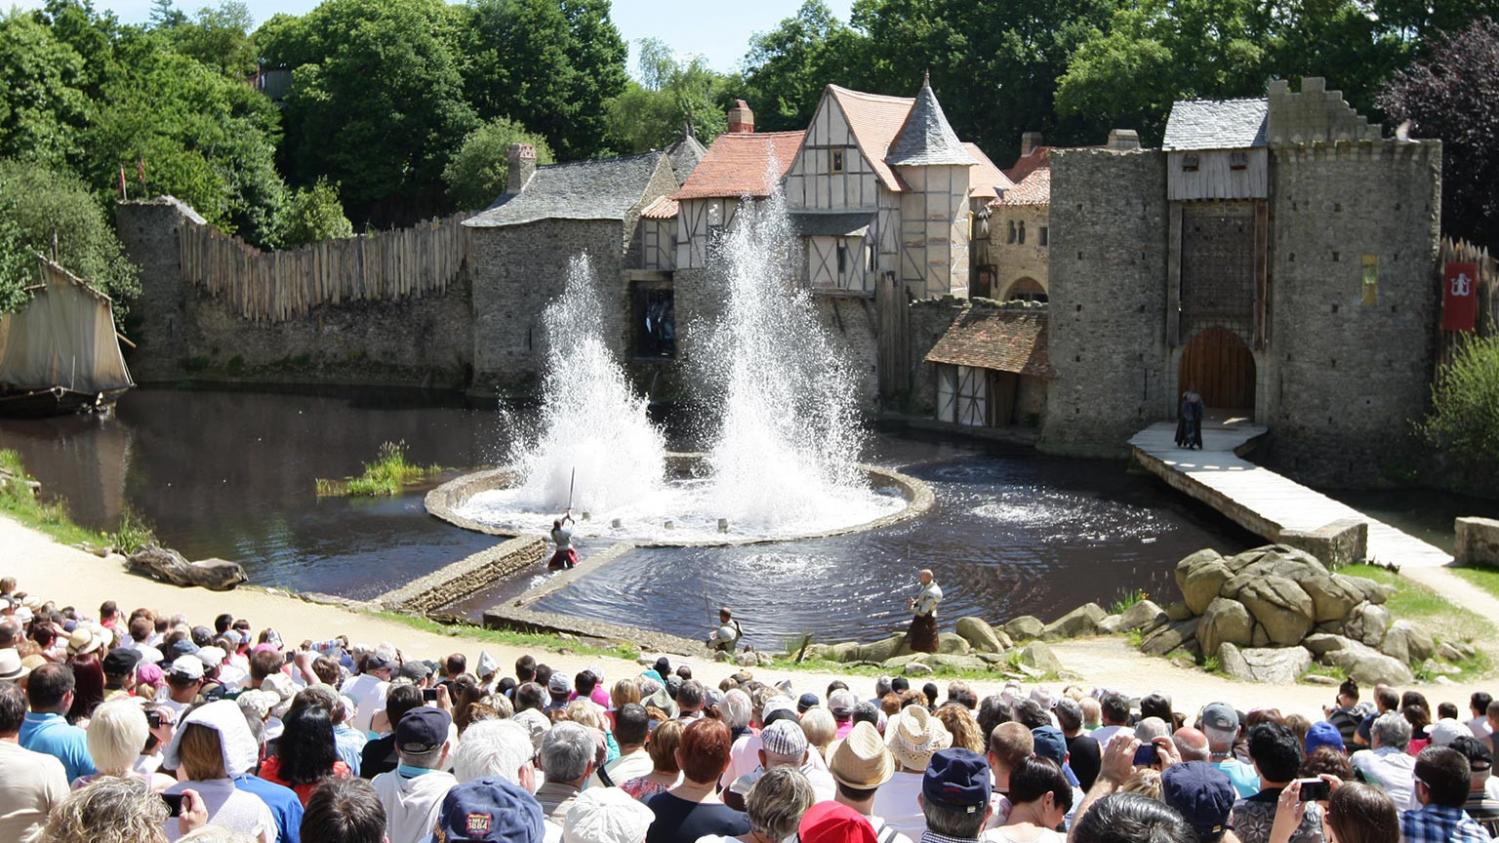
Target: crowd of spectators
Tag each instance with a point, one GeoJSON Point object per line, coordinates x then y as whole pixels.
{"type": "Point", "coordinates": [145, 728]}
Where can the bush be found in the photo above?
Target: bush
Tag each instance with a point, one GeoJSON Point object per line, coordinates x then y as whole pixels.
{"type": "Point", "coordinates": [1464, 417]}
{"type": "Point", "coordinates": [476, 175]}
{"type": "Point", "coordinates": [314, 214]}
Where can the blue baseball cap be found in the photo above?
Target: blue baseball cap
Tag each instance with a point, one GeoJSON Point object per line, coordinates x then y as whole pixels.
{"type": "Point", "coordinates": [1323, 733]}
{"type": "Point", "coordinates": [422, 730]}
{"type": "Point", "coordinates": [1202, 794]}
{"type": "Point", "coordinates": [489, 810]}
{"type": "Point", "coordinates": [957, 778]}
{"type": "Point", "coordinates": [807, 701]}
{"type": "Point", "coordinates": [1050, 743]}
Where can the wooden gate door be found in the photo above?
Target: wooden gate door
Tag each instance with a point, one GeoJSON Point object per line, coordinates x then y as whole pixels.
{"type": "Point", "coordinates": [1221, 367]}
{"type": "Point", "coordinates": [973, 397]}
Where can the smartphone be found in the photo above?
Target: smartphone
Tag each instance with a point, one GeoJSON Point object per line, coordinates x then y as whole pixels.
{"type": "Point", "coordinates": [291, 656]}
{"type": "Point", "coordinates": [429, 694]}
{"type": "Point", "coordinates": [1145, 756]}
{"type": "Point", "coordinates": [174, 804]}
{"type": "Point", "coordinates": [1314, 790]}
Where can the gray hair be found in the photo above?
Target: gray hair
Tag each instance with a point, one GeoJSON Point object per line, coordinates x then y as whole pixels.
{"type": "Point", "coordinates": [126, 807]}
{"type": "Point", "coordinates": [960, 823]}
{"type": "Point", "coordinates": [1392, 729]}
{"type": "Point", "coordinates": [492, 748]}
{"type": "Point", "coordinates": [1151, 728]}
{"type": "Point", "coordinates": [777, 801]}
{"type": "Point", "coordinates": [566, 752]}
{"type": "Point", "coordinates": [736, 709]}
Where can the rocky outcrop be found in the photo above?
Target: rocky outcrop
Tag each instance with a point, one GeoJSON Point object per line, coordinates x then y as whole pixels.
{"type": "Point", "coordinates": [1200, 577]}
{"type": "Point", "coordinates": [168, 565]}
{"type": "Point", "coordinates": [1280, 606]}
{"type": "Point", "coordinates": [1143, 616]}
{"type": "Point", "coordinates": [951, 644]}
{"type": "Point", "coordinates": [1275, 665]}
{"type": "Point", "coordinates": [883, 649]}
{"type": "Point", "coordinates": [1024, 628]}
{"type": "Point", "coordinates": [1083, 620]}
{"type": "Point", "coordinates": [1225, 621]}
{"type": "Point", "coordinates": [981, 636]}
{"type": "Point", "coordinates": [1169, 637]}
{"type": "Point", "coordinates": [1408, 643]}
{"type": "Point", "coordinates": [1038, 656]}
{"type": "Point", "coordinates": [1367, 623]}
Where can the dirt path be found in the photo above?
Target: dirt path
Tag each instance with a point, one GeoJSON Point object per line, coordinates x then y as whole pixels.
{"type": "Point", "coordinates": [71, 576]}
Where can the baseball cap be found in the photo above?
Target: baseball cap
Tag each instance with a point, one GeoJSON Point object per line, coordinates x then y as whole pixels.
{"type": "Point", "coordinates": [211, 656]}
{"type": "Point", "coordinates": [1050, 743]}
{"type": "Point", "coordinates": [1323, 733]}
{"type": "Point", "coordinates": [806, 701]}
{"type": "Point", "coordinates": [1220, 716]}
{"type": "Point", "coordinates": [487, 810]}
{"type": "Point", "coordinates": [1445, 731]}
{"type": "Point", "coordinates": [606, 815]}
{"type": "Point", "coordinates": [957, 778]}
{"type": "Point", "coordinates": [1202, 794]}
{"type": "Point", "coordinates": [834, 822]}
{"type": "Point", "coordinates": [422, 730]}
{"type": "Point", "coordinates": [120, 661]}
{"type": "Point", "coordinates": [841, 703]}
{"type": "Point", "coordinates": [559, 684]}
{"type": "Point", "coordinates": [179, 648]}
{"type": "Point", "coordinates": [186, 667]}
{"type": "Point", "coordinates": [784, 739]}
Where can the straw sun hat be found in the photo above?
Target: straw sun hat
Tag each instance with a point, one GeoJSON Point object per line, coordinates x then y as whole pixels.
{"type": "Point", "coordinates": [861, 760]}
{"type": "Point", "coordinates": [915, 735]}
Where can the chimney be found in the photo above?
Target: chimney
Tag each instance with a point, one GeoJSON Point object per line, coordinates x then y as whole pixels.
{"type": "Point", "coordinates": [1029, 142]}
{"type": "Point", "coordinates": [1124, 139]}
{"type": "Point", "coordinates": [741, 119]}
{"type": "Point", "coordinates": [521, 165]}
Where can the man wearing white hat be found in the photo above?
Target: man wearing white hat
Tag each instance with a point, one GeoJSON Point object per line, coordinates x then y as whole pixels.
{"type": "Point", "coordinates": [606, 815]}
{"type": "Point", "coordinates": [913, 736]}
{"type": "Point", "coordinates": [860, 764]}
{"type": "Point", "coordinates": [184, 678]}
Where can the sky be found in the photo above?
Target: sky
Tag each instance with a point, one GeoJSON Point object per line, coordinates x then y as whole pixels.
{"type": "Point", "coordinates": [717, 30]}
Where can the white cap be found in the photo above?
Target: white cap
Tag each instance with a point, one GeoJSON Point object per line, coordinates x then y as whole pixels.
{"type": "Point", "coordinates": [211, 656]}
{"type": "Point", "coordinates": [606, 815]}
{"type": "Point", "coordinates": [189, 667]}
{"type": "Point", "coordinates": [1445, 731]}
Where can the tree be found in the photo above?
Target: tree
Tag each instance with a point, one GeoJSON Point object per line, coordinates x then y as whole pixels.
{"type": "Point", "coordinates": [378, 107]}
{"type": "Point", "coordinates": [219, 38]}
{"type": "Point", "coordinates": [553, 64]}
{"type": "Point", "coordinates": [1464, 419]}
{"type": "Point", "coordinates": [40, 207]}
{"type": "Point", "coordinates": [41, 106]}
{"type": "Point", "coordinates": [314, 214]}
{"type": "Point", "coordinates": [477, 174]}
{"type": "Point", "coordinates": [165, 15]}
{"type": "Point", "coordinates": [650, 114]}
{"type": "Point", "coordinates": [1452, 95]}
{"type": "Point", "coordinates": [788, 67]}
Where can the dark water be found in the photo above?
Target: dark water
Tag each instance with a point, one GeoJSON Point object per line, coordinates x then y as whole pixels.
{"type": "Point", "coordinates": [1425, 514]}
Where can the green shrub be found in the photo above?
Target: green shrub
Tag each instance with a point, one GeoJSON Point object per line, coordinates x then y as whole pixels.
{"type": "Point", "coordinates": [477, 173]}
{"type": "Point", "coordinates": [314, 214]}
{"type": "Point", "coordinates": [387, 475]}
{"type": "Point", "coordinates": [1464, 418]}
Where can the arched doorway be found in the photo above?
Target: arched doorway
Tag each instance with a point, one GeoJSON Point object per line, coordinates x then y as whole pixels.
{"type": "Point", "coordinates": [1219, 365]}
{"type": "Point", "coordinates": [1026, 289]}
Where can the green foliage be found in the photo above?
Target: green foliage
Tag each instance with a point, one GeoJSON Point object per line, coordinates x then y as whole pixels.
{"type": "Point", "coordinates": [1128, 600]}
{"type": "Point", "coordinates": [1485, 578]}
{"type": "Point", "coordinates": [1435, 613]}
{"type": "Point", "coordinates": [41, 105]}
{"type": "Point", "coordinates": [524, 640]}
{"type": "Point", "coordinates": [377, 103]}
{"type": "Point", "coordinates": [386, 476]}
{"type": "Point", "coordinates": [1464, 418]}
{"type": "Point", "coordinates": [51, 516]}
{"type": "Point", "coordinates": [554, 66]}
{"type": "Point", "coordinates": [476, 175]}
{"type": "Point", "coordinates": [219, 38]}
{"type": "Point", "coordinates": [651, 115]}
{"type": "Point", "coordinates": [41, 207]}
{"type": "Point", "coordinates": [788, 67]}
{"type": "Point", "coordinates": [314, 214]}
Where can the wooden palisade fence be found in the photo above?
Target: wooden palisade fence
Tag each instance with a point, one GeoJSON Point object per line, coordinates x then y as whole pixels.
{"type": "Point", "coordinates": [277, 286]}
{"type": "Point", "coordinates": [1461, 251]}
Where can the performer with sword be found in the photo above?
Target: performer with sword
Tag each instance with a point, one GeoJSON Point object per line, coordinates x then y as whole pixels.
{"type": "Point", "coordinates": [565, 556]}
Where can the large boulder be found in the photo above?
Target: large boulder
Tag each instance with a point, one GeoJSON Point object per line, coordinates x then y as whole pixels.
{"type": "Point", "coordinates": [1144, 616]}
{"type": "Point", "coordinates": [1225, 621]}
{"type": "Point", "coordinates": [1024, 628]}
{"type": "Point", "coordinates": [1081, 621]}
{"type": "Point", "coordinates": [1168, 637]}
{"type": "Point", "coordinates": [1279, 559]}
{"type": "Point", "coordinates": [846, 651]}
{"type": "Point", "coordinates": [1280, 606]}
{"type": "Point", "coordinates": [1199, 577]}
{"type": "Point", "coordinates": [1322, 643]}
{"type": "Point", "coordinates": [1368, 667]}
{"type": "Point", "coordinates": [1109, 625]}
{"type": "Point", "coordinates": [1368, 623]}
{"type": "Point", "coordinates": [952, 644]}
{"type": "Point", "coordinates": [1275, 665]}
{"type": "Point", "coordinates": [1333, 597]}
{"type": "Point", "coordinates": [878, 651]}
{"type": "Point", "coordinates": [1178, 610]}
{"type": "Point", "coordinates": [942, 661]}
{"type": "Point", "coordinates": [1408, 643]}
{"type": "Point", "coordinates": [1038, 656]}
{"type": "Point", "coordinates": [1374, 592]}
{"type": "Point", "coordinates": [980, 635]}
{"type": "Point", "coordinates": [168, 565]}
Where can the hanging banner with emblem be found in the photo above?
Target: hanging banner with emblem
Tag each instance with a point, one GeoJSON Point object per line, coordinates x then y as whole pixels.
{"type": "Point", "coordinates": [1459, 296]}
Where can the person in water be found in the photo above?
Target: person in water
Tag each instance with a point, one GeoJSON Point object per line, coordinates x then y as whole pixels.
{"type": "Point", "coordinates": [728, 633]}
{"type": "Point", "coordinates": [562, 536]}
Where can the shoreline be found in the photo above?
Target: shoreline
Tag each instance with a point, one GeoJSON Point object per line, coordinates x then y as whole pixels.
{"type": "Point", "coordinates": [71, 576]}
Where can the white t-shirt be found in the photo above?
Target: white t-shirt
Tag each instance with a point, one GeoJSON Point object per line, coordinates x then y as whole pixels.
{"type": "Point", "coordinates": [368, 693]}
{"type": "Point", "coordinates": [31, 785]}
{"type": "Point", "coordinates": [896, 802]}
{"type": "Point", "coordinates": [1103, 733]}
{"type": "Point", "coordinates": [228, 808]}
{"type": "Point", "coordinates": [1045, 835]}
{"type": "Point", "coordinates": [412, 805]}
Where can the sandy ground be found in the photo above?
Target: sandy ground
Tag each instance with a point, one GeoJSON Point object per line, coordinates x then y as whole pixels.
{"type": "Point", "coordinates": [71, 576]}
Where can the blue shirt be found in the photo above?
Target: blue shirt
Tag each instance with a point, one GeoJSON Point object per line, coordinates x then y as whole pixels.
{"type": "Point", "coordinates": [283, 802]}
{"type": "Point", "coordinates": [51, 735]}
{"type": "Point", "coordinates": [350, 746]}
{"type": "Point", "coordinates": [1435, 824]}
{"type": "Point", "coordinates": [1243, 777]}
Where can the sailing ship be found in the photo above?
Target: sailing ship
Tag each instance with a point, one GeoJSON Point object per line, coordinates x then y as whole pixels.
{"type": "Point", "coordinates": [60, 353]}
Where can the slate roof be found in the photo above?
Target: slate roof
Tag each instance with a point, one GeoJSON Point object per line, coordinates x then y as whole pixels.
{"type": "Point", "coordinates": [927, 138]}
{"type": "Point", "coordinates": [685, 155]}
{"type": "Point", "coordinates": [875, 120]}
{"type": "Point", "coordinates": [996, 338]}
{"type": "Point", "coordinates": [603, 189]}
{"type": "Point", "coordinates": [830, 225]}
{"type": "Point", "coordinates": [1216, 124]}
{"type": "Point", "coordinates": [739, 163]}
{"type": "Point", "coordinates": [664, 208]}
{"type": "Point", "coordinates": [1034, 189]}
{"type": "Point", "coordinates": [985, 181]}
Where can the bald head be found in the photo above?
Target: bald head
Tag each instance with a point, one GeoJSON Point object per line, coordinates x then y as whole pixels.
{"type": "Point", "coordinates": [1191, 744]}
{"type": "Point", "coordinates": [925, 575]}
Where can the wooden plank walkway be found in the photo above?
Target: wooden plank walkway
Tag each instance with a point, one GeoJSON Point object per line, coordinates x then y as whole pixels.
{"type": "Point", "coordinates": [1261, 501]}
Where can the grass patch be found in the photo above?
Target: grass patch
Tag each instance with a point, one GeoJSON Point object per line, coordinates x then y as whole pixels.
{"type": "Point", "coordinates": [1319, 669]}
{"type": "Point", "coordinates": [51, 516]}
{"type": "Point", "coordinates": [1485, 578]}
{"type": "Point", "coordinates": [825, 666]}
{"type": "Point", "coordinates": [1212, 664]}
{"type": "Point", "coordinates": [1415, 602]}
{"type": "Point", "coordinates": [1127, 601]}
{"type": "Point", "coordinates": [1134, 638]}
{"type": "Point", "coordinates": [387, 475]}
{"type": "Point", "coordinates": [525, 640]}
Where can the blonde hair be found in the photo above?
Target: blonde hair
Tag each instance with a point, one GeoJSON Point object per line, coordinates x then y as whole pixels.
{"type": "Point", "coordinates": [1144, 781]}
{"type": "Point", "coordinates": [965, 730]}
{"type": "Point", "coordinates": [200, 753]}
{"type": "Point", "coordinates": [108, 810]}
{"type": "Point", "coordinates": [625, 691]}
{"type": "Point", "coordinates": [585, 713]}
{"type": "Point", "coordinates": [116, 736]}
{"type": "Point", "coordinates": [819, 726]}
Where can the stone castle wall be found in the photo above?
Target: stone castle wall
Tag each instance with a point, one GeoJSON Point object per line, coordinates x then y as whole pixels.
{"type": "Point", "coordinates": [1107, 298]}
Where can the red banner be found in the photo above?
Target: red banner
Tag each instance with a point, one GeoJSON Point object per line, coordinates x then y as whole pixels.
{"type": "Point", "coordinates": [1459, 296]}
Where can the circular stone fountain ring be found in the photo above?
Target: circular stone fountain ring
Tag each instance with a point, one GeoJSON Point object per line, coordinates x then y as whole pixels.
{"type": "Point", "coordinates": [455, 502]}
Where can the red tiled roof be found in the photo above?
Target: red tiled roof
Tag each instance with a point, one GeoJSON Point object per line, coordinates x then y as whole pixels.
{"type": "Point", "coordinates": [985, 181]}
{"type": "Point", "coordinates": [738, 164]}
{"type": "Point", "coordinates": [875, 121]}
{"type": "Point", "coordinates": [1035, 189]}
{"type": "Point", "coordinates": [1001, 339]}
{"type": "Point", "coordinates": [664, 208]}
{"type": "Point", "coordinates": [1024, 166]}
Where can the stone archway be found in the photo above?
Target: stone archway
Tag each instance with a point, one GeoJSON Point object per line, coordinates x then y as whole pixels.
{"type": "Point", "coordinates": [1025, 289]}
{"type": "Point", "coordinates": [1219, 365]}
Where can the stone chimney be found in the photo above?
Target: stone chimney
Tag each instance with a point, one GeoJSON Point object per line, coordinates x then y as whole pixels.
{"type": "Point", "coordinates": [1124, 139]}
{"type": "Point", "coordinates": [1029, 142]}
{"type": "Point", "coordinates": [521, 165]}
{"type": "Point", "coordinates": [741, 119]}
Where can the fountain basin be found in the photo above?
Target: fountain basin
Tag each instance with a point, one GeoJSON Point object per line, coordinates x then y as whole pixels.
{"type": "Point", "coordinates": [481, 501]}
